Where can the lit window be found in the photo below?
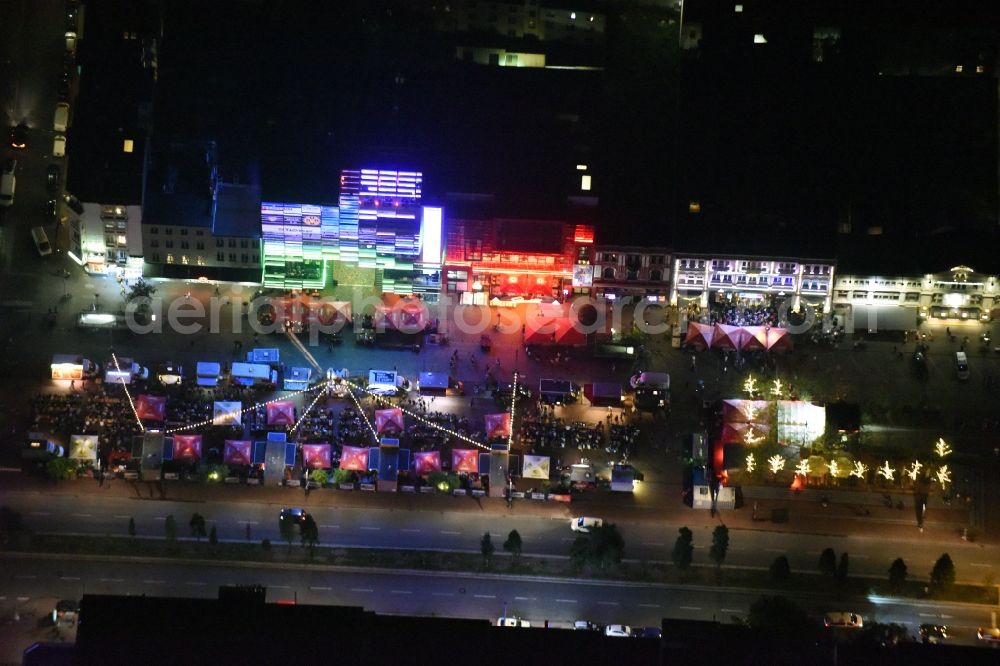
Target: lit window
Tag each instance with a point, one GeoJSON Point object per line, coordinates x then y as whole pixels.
{"type": "Point", "coordinates": [585, 182]}
{"type": "Point", "coordinates": [581, 167]}
{"type": "Point", "coordinates": [128, 145]}
{"type": "Point", "coordinates": [170, 258]}
{"type": "Point", "coordinates": [980, 69]}
{"type": "Point", "coordinates": [874, 231]}
{"type": "Point", "coordinates": [759, 38]}
{"type": "Point", "coordinates": [572, 15]}
{"type": "Point", "coordinates": [694, 207]}
{"type": "Point", "coordinates": [738, 9]}
{"type": "Point", "coordinates": [958, 69]}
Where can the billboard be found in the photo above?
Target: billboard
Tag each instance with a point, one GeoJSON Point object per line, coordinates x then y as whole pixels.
{"type": "Point", "coordinates": [227, 413]}
{"type": "Point", "coordinates": [536, 467]}
{"type": "Point", "coordinates": [583, 275]}
{"type": "Point", "coordinates": [83, 447]}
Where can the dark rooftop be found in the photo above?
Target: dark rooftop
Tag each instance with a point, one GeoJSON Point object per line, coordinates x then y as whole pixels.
{"type": "Point", "coordinates": [180, 181]}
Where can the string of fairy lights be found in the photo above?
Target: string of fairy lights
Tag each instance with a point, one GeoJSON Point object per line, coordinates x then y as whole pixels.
{"type": "Point", "coordinates": [305, 412]}
{"type": "Point", "coordinates": [363, 415]}
{"type": "Point", "coordinates": [128, 395]}
{"type": "Point", "coordinates": [211, 421]}
{"type": "Point", "coordinates": [513, 401]}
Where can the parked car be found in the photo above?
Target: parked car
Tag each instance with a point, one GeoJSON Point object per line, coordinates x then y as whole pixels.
{"type": "Point", "coordinates": [52, 210]}
{"type": "Point", "coordinates": [843, 619]}
{"type": "Point", "coordinates": [647, 632]}
{"type": "Point", "coordinates": [618, 630]}
{"type": "Point", "coordinates": [8, 184]}
{"type": "Point", "coordinates": [70, 41]}
{"type": "Point", "coordinates": [512, 622]}
{"type": "Point", "coordinates": [296, 515]}
{"type": "Point", "coordinates": [584, 524]}
{"type": "Point", "coordinates": [585, 625]}
{"type": "Point", "coordinates": [61, 118]}
{"type": "Point", "coordinates": [59, 146]}
{"type": "Point", "coordinates": [989, 634]}
{"type": "Point", "coordinates": [933, 633]}
{"type": "Point", "coordinates": [41, 241]}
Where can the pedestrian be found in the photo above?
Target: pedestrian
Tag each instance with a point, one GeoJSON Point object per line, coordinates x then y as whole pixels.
{"type": "Point", "coordinates": [72, 384]}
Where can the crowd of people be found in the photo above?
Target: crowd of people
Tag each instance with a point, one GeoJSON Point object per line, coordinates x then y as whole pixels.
{"type": "Point", "coordinates": [737, 315]}
{"type": "Point", "coordinates": [98, 411]}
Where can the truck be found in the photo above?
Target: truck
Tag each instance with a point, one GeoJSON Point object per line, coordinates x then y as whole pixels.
{"type": "Point", "coordinates": [39, 450]}
{"type": "Point", "coordinates": [558, 391]}
{"type": "Point", "coordinates": [124, 372]}
{"type": "Point", "coordinates": [252, 374]}
{"type": "Point", "coordinates": [652, 390]}
{"type": "Point", "coordinates": [73, 367]}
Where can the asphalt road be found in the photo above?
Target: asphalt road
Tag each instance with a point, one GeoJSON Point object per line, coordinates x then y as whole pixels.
{"type": "Point", "coordinates": [452, 595]}
{"type": "Point", "coordinates": [870, 555]}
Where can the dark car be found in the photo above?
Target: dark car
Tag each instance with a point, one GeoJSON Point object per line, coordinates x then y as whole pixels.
{"type": "Point", "coordinates": [19, 137]}
{"type": "Point", "coordinates": [65, 84]}
{"type": "Point", "coordinates": [933, 633]}
{"type": "Point", "coordinates": [647, 632]}
{"type": "Point", "coordinates": [53, 177]}
{"type": "Point", "coordinates": [296, 515]}
{"type": "Point", "coordinates": [52, 209]}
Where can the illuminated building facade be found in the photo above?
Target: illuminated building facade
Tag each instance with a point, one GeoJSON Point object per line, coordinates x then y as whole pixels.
{"type": "Point", "coordinates": [507, 261]}
{"type": "Point", "coordinates": [632, 272]}
{"type": "Point", "coordinates": [380, 223]}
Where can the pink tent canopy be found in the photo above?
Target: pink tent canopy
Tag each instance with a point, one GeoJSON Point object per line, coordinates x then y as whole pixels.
{"type": "Point", "coordinates": [778, 340]}
{"type": "Point", "coordinates": [699, 336]}
{"type": "Point", "coordinates": [151, 407]}
{"type": "Point", "coordinates": [549, 330]}
{"type": "Point", "coordinates": [316, 456]}
{"type": "Point", "coordinates": [425, 462]}
{"type": "Point", "coordinates": [728, 337]}
{"type": "Point", "coordinates": [389, 420]}
{"type": "Point", "coordinates": [497, 425]}
{"type": "Point", "coordinates": [187, 447]}
{"type": "Point", "coordinates": [281, 412]}
{"type": "Point", "coordinates": [354, 458]}
{"type": "Point", "coordinates": [237, 452]}
{"type": "Point", "coordinates": [465, 460]}
{"type": "Point", "coordinates": [755, 338]}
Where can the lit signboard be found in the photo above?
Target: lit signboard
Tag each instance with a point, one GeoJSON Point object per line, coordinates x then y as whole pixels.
{"type": "Point", "coordinates": [430, 235]}
{"type": "Point", "coordinates": [583, 275]}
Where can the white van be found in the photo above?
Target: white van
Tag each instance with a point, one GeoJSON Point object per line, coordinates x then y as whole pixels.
{"type": "Point", "coordinates": [61, 120]}
{"type": "Point", "coordinates": [59, 146]}
{"type": "Point", "coordinates": [7, 185]}
{"type": "Point", "coordinates": [961, 365]}
{"type": "Point", "coordinates": [41, 241]}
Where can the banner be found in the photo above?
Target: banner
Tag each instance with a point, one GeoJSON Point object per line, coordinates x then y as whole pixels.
{"type": "Point", "coordinates": [187, 447]}
{"type": "Point", "coordinates": [389, 420]}
{"type": "Point", "coordinates": [497, 425]}
{"type": "Point", "coordinates": [151, 407]}
{"type": "Point", "coordinates": [465, 460]}
{"type": "Point", "coordinates": [316, 456]}
{"type": "Point", "coordinates": [83, 447]}
{"type": "Point", "coordinates": [425, 462]}
{"type": "Point", "coordinates": [354, 458]}
{"type": "Point", "coordinates": [227, 413]}
{"type": "Point", "coordinates": [281, 412]}
{"type": "Point", "coordinates": [237, 452]}
{"type": "Point", "coordinates": [536, 467]}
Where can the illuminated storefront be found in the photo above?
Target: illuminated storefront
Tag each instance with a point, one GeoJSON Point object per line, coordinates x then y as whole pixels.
{"type": "Point", "coordinates": [380, 223]}
{"type": "Point", "coordinates": [505, 261]}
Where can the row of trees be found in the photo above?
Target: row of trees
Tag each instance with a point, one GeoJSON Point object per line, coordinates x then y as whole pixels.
{"type": "Point", "coordinates": [307, 532]}
{"type": "Point", "coordinates": [683, 553]}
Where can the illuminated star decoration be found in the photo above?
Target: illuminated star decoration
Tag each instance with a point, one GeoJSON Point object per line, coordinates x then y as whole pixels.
{"type": "Point", "coordinates": [914, 471]}
{"type": "Point", "coordinates": [860, 469]}
{"type": "Point", "coordinates": [944, 476]}
{"type": "Point", "coordinates": [750, 385]}
{"type": "Point", "coordinates": [751, 413]}
{"type": "Point", "coordinates": [802, 469]}
{"type": "Point", "coordinates": [777, 388]}
{"type": "Point", "coordinates": [834, 468]}
{"type": "Point", "coordinates": [777, 463]}
{"type": "Point", "coordinates": [751, 463]}
{"type": "Point", "coordinates": [942, 448]}
{"type": "Point", "coordinates": [888, 472]}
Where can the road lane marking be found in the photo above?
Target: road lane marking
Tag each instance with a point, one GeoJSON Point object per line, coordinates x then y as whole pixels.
{"type": "Point", "coordinates": [160, 518]}
{"type": "Point", "coordinates": [730, 610]}
{"type": "Point", "coordinates": [442, 594]}
{"type": "Point", "coordinates": [281, 587]}
{"type": "Point", "coordinates": [525, 599]}
{"type": "Point", "coordinates": [565, 601]}
{"type": "Point", "coordinates": [859, 557]}
{"type": "Point", "coordinates": [361, 589]}
{"type": "Point", "coordinates": [154, 582]}
{"type": "Point", "coordinates": [407, 529]}
{"type": "Point", "coordinates": [331, 527]}
{"type": "Point", "coordinates": [400, 592]}
{"type": "Point", "coordinates": [980, 564]}
{"type": "Point", "coordinates": [195, 583]}
{"type": "Point", "coordinates": [928, 615]}
{"type": "Point", "coordinates": [946, 617]}
{"type": "Point", "coordinates": [608, 603]}
{"type": "Point", "coordinates": [40, 513]}
{"type": "Point", "coordinates": [23, 598]}
{"type": "Point", "coordinates": [774, 550]}
{"type": "Point", "coordinates": [122, 517]}
{"type": "Point", "coordinates": [484, 596]}
{"type": "Point", "coordinates": [650, 543]}
{"type": "Point", "coordinates": [649, 605]}
{"type": "Point", "coordinates": [26, 577]}
{"type": "Point", "coordinates": [321, 588]}
{"type": "Point", "coordinates": [69, 578]}
{"type": "Point", "coordinates": [690, 607]}
{"type": "Point", "coordinates": [81, 515]}
{"type": "Point", "coordinates": [248, 522]}
{"type": "Point", "coordinates": [112, 580]}
{"type": "Point", "coordinates": [450, 532]}
{"type": "Point", "coordinates": [370, 527]}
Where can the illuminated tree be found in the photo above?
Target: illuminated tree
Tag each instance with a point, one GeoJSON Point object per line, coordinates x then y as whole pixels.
{"type": "Point", "coordinates": [751, 463]}
{"type": "Point", "coordinates": [860, 469]}
{"type": "Point", "coordinates": [887, 472]}
{"type": "Point", "coordinates": [942, 448]}
{"type": "Point", "coordinates": [834, 468]}
{"type": "Point", "coordinates": [777, 463]}
{"type": "Point", "coordinates": [802, 469]}
{"type": "Point", "coordinates": [914, 471]}
{"type": "Point", "coordinates": [776, 388]}
{"type": "Point", "coordinates": [750, 386]}
{"type": "Point", "coordinates": [943, 476]}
